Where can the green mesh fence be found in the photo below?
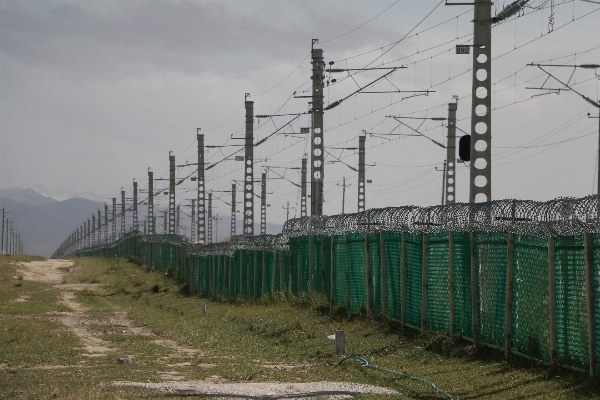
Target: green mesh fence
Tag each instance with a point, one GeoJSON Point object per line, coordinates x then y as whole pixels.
{"type": "Point", "coordinates": [340, 263]}
{"type": "Point", "coordinates": [413, 274]}
{"type": "Point", "coordinates": [357, 275]}
{"type": "Point", "coordinates": [375, 283]}
{"type": "Point", "coordinates": [393, 295]}
{"type": "Point", "coordinates": [303, 265]}
{"type": "Point", "coordinates": [530, 320]}
{"type": "Point", "coordinates": [490, 259]}
{"type": "Point", "coordinates": [317, 265]}
{"type": "Point", "coordinates": [438, 285]}
{"type": "Point", "coordinates": [340, 270]}
{"type": "Point", "coordinates": [571, 309]}
{"type": "Point", "coordinates": [327, 267]}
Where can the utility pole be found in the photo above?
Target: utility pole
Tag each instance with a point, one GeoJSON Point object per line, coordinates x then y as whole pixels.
{"type": "Point", "coordinates": [249, 169]}
{"type": "Point", "coordinates": [171, 194]}
{"type": "Point", "coordinates": [586, 98]}
{"type": "Point", "coordinates": [209, 233]}
{"type": "Point", "coordinates": [114, 219]}
{"type": "Point", "coordinates": [481, 107]}
{"type": "Point", "coordinates": [135, 210]}
{"type": "Point", "coordinates": [122, 212]}
{"type": "Point", "coordinates": [6, 245]}
{"type": "Point", "coordinates": [105, 223]}
{"type": "Point", "coordinates": [217, 232]}
{"type": "Point", "coordinates": [287, 213]}
{"type": "Point", "coordinates": [177, 220]}
{"type": "Point", "coordinates": [233, 227]}
{"type": "Point", "coordinates": [480, 189]}
{"type": "Point", "coordinates": [263, 205]}
{"type": "Point", "coordinates": [361, 173]}
{"type": "Point", "coordinates": [343, 185]}
{"type": "Point", "coordinates": [2, 241]}
{"type": "Point", "coordinates": [303, 201]}
{"type": "Point", "coordinates": [443, 183]}
{"type": "Point", "coordinates": [93, 229]}
{"type": "Point", "coordinates": [89, 233]}
{"type": "Point", "coordinates": [165, 222]}
{"type": "Point", "coordinates": [99, 227]}
{"type": "Point", "coordinates": [193, 222]}
{"type": "Point", "coordinates": [317, 147]}
{"type": "Point", "coordinates": [201, 223]}
{"type": "Point", "coordinates": [450, 170]}
{"type": "Point", "coordinates": [151, 225]}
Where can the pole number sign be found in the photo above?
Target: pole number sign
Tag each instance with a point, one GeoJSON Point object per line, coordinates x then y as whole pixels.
{"type": "Point", "coordinates": [460, 49]}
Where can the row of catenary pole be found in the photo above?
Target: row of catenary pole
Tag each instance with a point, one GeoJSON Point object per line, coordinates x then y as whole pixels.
{"type": "Point", "coordinates": [11, 241]}
{"type": "Point", "coordinates": [95, 231]}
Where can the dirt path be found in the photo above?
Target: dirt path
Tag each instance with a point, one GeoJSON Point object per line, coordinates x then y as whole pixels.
{"type": "Point", "coordinates": [264, 390]}
{"type": "Point", "coordinates": [80, 321]}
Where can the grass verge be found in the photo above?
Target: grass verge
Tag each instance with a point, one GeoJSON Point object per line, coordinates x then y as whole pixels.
{"type": "Point", "coordinates": [268, 340]}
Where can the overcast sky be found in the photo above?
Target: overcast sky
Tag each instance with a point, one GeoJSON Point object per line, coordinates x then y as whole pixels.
{"type": "Point", "coordinates": [92, 93]}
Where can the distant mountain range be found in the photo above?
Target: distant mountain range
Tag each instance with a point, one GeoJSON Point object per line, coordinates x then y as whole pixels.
{"type": "Point", "coordinates": [44, 222]}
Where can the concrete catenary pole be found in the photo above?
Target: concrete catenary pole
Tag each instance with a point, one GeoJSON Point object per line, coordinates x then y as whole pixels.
{"type": "Point", "coordinates": [361, 173]}
{"type": "Point", "coordinates": [172, 229]}
{"type": "Point", "coordinates": [134, 208]}
{"type": "Point", "coordinates": [193, 222]}
{"type": "Point", "coordinates": [123, 213]}
{"type": "Point", "coordinates": [233, 227]}
{"type": "Point", "coordinates": [151, 225]}
{"type": "Point", "coordinates": [303, 184]}
{"type": "Point", "coordinates": [263, 204]}
{"type": "Point", "coordinates": [450, 175]}
{"type": "Point", "coordinates": [317, 146]}
{"type": "Point", "coordinates": [93, 229]}
{"type": "Point", "coordinates": [209, 233]}
{"type": "Point", "coordinates": [105, 223]}
{"type": "Point", "coordinates": [481, 108]}
{"type": "Point", "coordinates": [2, 241]}
{"type": "Point", "coordinates": [201, 223]}
{"type": "Point", "coordinates": [114, 219]}
{"type": "Point", "coordinates": [249, 169]}
{"type": "Point", "coordinates": [177, 219]}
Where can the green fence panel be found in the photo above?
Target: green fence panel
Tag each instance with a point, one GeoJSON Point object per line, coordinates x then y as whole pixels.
{"type": "Point", "coordinates": [413, 271]}
{"type": "Point", "coordinates": [490, 259]}
{"type": "Point", "coordinates": [317, 265]}
{"type": "Point", "coordinates": [530, 318]}
{"type": "Point", "coordinates": [294, 265]}
{"type": "Point", "coordinates": [303, 272]}
{"type": "Point", "coordinates": [393, 251]}
{"type": "Point", "coordinates": [438, 284]}
{"type": "Point", "coordinates": [326, 270]}
{"type": "Point", "coordinates": [357, 274]}
{"type": "Point", "coordinates": [375, 281]}
{"type": "Point", "coordinates": [340, 270]}
{"type": "Point", "coordinates": [572, 338]}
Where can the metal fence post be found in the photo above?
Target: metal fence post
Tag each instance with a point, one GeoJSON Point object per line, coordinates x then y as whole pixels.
{"type": "Point", "coordinates": [474, 310]}
{"type": "Point", "coordinates": [425, 261]}
{"type": "Point", "coordinates": [509, 289]}
{"type": "Point", "coordinates": [451, 280]}
{"type": "Point", "coordinates": [383, 276]}
{"type": "Point", "coordinates": [552, 300]}
{"type": "Point", "coordinates": [588, 246]}
{"type": "Point", "coordinates": [403, 280]}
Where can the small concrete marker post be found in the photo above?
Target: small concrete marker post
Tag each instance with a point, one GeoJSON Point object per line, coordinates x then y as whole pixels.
{"type": "Point", "coordinates": [203, 307]}
{"type": "Point", "coordinates": [340, 342]}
